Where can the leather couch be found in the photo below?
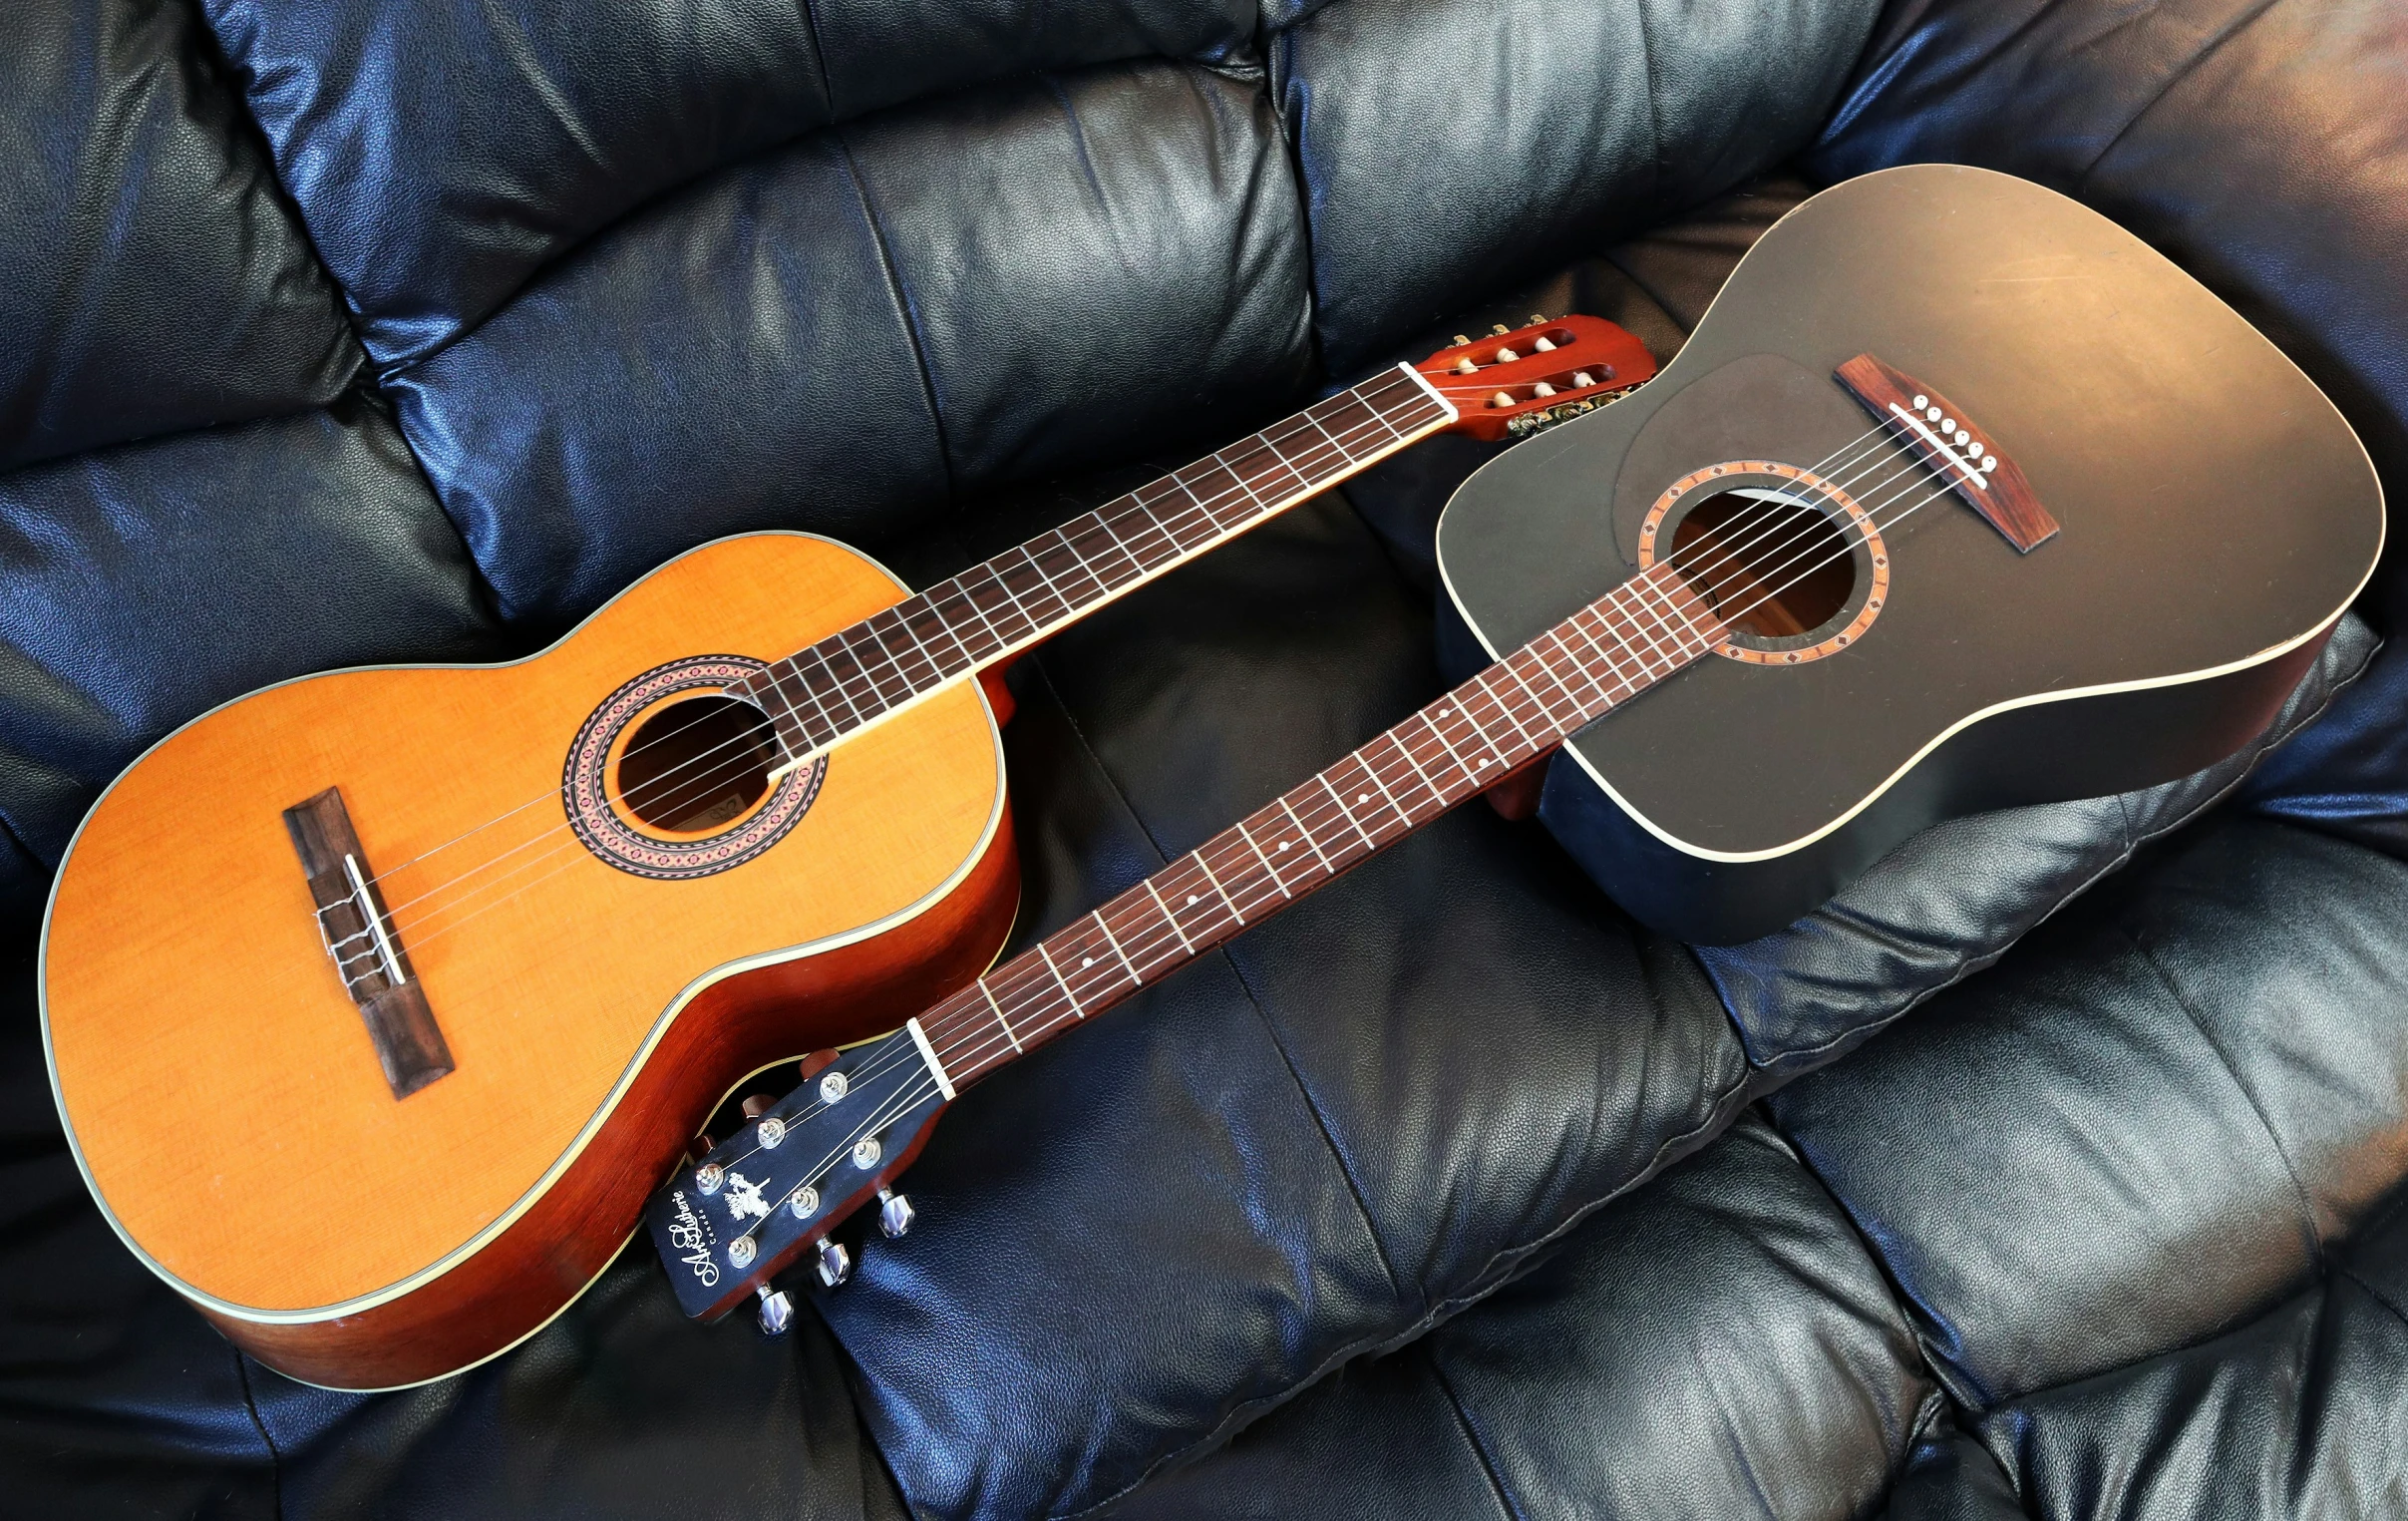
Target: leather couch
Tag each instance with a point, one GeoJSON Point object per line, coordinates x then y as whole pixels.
{"type": "Point", "coordinates": [2055, 1169]}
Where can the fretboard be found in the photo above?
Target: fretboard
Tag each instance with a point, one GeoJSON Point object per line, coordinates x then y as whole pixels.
{"type": "Point", "coordinates": [1455, 748]}
{"type": "Point", "coordinates": [881, 665]}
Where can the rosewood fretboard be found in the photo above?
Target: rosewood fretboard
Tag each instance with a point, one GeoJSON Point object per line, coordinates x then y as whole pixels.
{"type": "Point", "coordinates": [1516, 711]}
{"type": "Point", "coordinates": [881, 664]}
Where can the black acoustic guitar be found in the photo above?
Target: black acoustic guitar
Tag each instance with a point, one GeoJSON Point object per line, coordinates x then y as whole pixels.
{"type": "Point", "coordinates": [1999, 506]}
{"type": "Point", "coordinates": [1958, 496]}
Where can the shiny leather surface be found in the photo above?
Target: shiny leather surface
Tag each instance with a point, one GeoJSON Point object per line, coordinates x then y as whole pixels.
{"type": "Point", "coordinates": [2055, 1169]}
{"type": "Point", "coordinates": [150, 279]}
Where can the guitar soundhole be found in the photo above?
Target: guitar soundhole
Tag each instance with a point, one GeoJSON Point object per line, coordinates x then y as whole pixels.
{"type": "Point", "coordinates": [1773, 568]}
{"type": "Point", "coordinates": [695, 765]}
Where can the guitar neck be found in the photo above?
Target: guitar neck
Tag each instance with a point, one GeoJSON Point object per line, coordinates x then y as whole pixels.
{"type": "Point", "coordinates": [1461, 745]}
{"type": "Point", "coordinates": [882, 664]}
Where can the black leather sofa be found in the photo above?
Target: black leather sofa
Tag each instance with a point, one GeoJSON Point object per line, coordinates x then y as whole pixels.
{"type": "Point", "coordinates": [2053, 1169]}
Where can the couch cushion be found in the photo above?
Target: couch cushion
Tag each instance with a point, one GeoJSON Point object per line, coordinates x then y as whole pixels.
{"type": "Point", "coordinates": [443, 154]}
{"type": "Point", "coordinates": [1451, 148]}
{"type": "Point", "coordinates": [2174, 1103]}
{"type": "Point", "coordinates": [151, 278]}
{"type": "Point", "coordinates": [1719, 1343]}
{"type": "Point", "coordinates": [837, 335]}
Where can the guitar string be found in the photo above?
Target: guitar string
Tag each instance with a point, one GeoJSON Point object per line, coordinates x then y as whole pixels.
{"type": "Point", "coordinates": [419, 937]}
{"type": "Point", "coordinates": [1295, 428]}
{"type": "Point", "coordinates": [969, 1017]}
{"type": "Point", "coordinates": [1033, 995]}
{"type": "Point", "coordinates": [1199, 511]}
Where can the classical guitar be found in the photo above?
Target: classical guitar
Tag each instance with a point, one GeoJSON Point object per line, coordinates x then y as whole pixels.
{"type": "Point", "coordinates": [377, 1002]}
{"type": "Point", "coordinates": [1948, 451]}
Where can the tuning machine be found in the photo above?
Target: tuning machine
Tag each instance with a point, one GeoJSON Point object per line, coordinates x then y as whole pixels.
{"type": "Point", "coordinates": [776, 1313]}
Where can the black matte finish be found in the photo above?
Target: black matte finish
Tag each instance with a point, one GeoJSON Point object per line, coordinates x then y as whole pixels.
{"type": "Point", "coordinates": [633, 272]}
{"type": "Point", "coordinates": [2150, 421]}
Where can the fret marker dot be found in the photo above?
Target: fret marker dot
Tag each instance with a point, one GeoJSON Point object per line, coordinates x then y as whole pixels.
{"type": "Point", "coordinates": [1284, 844]}
{"type": "Point", "coordinates": [1087, 961]}
{"type": "Point", "coordinates": [1190, 900]}
{"type": "Point", "coordinates": [1362, 797]}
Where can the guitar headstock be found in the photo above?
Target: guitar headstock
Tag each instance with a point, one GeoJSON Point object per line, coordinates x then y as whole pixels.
{"type": "Point", "coordinates": [798, 1167]}
{"type": "Point", "coordinates": [1517, 381]}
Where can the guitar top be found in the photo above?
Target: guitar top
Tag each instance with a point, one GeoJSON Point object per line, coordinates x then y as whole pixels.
{"type": "Point", "coordinates": [2140, 493]}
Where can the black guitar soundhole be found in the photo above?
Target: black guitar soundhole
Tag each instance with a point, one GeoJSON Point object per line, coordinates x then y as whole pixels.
{"type": "Point", "coordinates": [1770, 567]}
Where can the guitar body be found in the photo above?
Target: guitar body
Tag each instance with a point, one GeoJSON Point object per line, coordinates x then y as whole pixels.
{"type": "Point", "coordinates": [2214, 516]}
{"type": "Point", "coordinates": [371, 1173]}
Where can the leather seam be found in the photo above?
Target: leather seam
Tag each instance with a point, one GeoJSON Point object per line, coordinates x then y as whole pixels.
{"type": "Point", "coordinates": [2223, 1058]}
{"type": "Point", "coordinates": [1471, 1437]}
{"type": "Point", "coordinates": [275, 1459]}
{"type": "Point", "coordinates": [1320, 1123]}
{"type": "Point", "coordinates": [902, 303]}
{"type": "Point", "coordinates": [2231, 29]}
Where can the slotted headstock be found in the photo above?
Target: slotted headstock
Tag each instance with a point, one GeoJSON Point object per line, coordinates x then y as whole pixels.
{"type": "Point", "coordinates": [772, 1191]}
{"type": "Point", "coordinates": [1517, 381]}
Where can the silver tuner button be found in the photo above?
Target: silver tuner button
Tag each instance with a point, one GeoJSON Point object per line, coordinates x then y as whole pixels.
{"type": "Point", "coordinates": [773, 1131]}
{"type": "Point", "coordinates": [866, 1152]}
{"type": "Point", "coordinates": [776, 1312]}
{"type": "Point", "coordinates": [895, 1213]}
{"type": "Point", "coordinates": [835, 1264]}
{"type": "Point", "coordinates": [805, 1203]}
{"type": "Point", "coordinates": [833, 1086]}
{"type": "Point", "coordinates": [709, 1176]}
{"type": "Point", "coordinates": [741, 1251]}
{"type": "Point", "coordinates": [757, 1105]}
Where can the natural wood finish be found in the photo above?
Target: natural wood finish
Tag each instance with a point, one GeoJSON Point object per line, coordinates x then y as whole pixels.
{"type": "Point", "coordinates": [409, 1044]}
{"type": "Point", "coordinates": [2003, 496]}
{"type": "Point", "coordinates": [249, 1145]}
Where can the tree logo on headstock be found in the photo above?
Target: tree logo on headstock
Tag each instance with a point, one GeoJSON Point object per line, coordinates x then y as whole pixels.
{"type": "Point", "coordinates": [744, 1198]}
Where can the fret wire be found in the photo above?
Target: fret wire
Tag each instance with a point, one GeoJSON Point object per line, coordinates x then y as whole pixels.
{"type": "Point", "coordinates": [1045, 581]}
{"type": "Point", "coordinates": [869, 670]}
{"type": "Point", "coordinates": [1606, 698]}
{"type": "Point", "coordinates": [1232, 472]}
{"type": "Point", "coordinates": [1511, 666]}
{"type": "Point", "coordinates": [912, 685]}
{"type": "Point", "coordinates": [1148, 518]}
{"type": "Point", "coordinates": [1489, 691]}
{"type": "Point", "coordinates": [1098, 523]}
{"type": "Point", "coordinates": [1429, 723]}
{"type": "Point", "coordinates": [1307, 835]}
{"type": "Point", "coordinates": [1062, 541]}
{"type": "Point", "coordinates": [1669, 600]}
{"type": "Point", "coordinates": [1326, 786]}
{"type": "Point", "coordinates": [936, 668]}
{"type": "Point", "coordinates": [1625, 627]}
{"type": "Point", "coordinates": [1279, 455]}
{"type": "Point", "coordinates": [1579, 704]}
{"type": "Point", "coordinates": [1136, 978]}
{"type": "Point", "coordinates": [1171, 917]}
{"type": "Point", "coordinates": [1362, 758]}
{"type": "Point", "coordinates": [1479, 730]}
{"type": "Point", "coordinates": [1629, 684]}
{"type": "Point", "coordinates": [1660, 625]}
{"type": "Point", "coordinates": [819, 652]}
{"type": "Point", "coordinates": [1008, 1032]}
{"type": "Point", "coordinates": [979, 603]}
{"type": "Point", "coordinates": [1236, 869]}
{"type": "Point", "coordinates": [1196, 900]}
{"type": "Point", "coordinates": [1411, 760]}
{"type": "Point", "coordinates": [1265, 860]}
{"type": "Point", "coordinates": [777, 728]}
{"type": "Point", "coordinates": [1068, 993]}
{"type": "Point", "coordinates": [927, 609]}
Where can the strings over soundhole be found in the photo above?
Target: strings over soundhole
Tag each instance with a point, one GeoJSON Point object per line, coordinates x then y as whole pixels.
{"type": "Point", "coordinates": [1773, 569]}
{"type": "Point", "coordinates": [694, 765]}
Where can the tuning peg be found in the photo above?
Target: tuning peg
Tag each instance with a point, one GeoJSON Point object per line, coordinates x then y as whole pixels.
{"type": "Point", "coordinates": [895, 1213]}
{"type": "Point", "coordinates": [1499, 331]}
{"type": "Point", "coordinates": [700, 1147]}
{"type": "Point", "coordinates": [1542, 389]}
{"type": "Point", "coordinates": [1466, 365]}
{"type": "Point", "coordinates": [835, 1264]}
{"type": "Point", "coordinates": [1537, 317]}
{"type": "Point", "coordinates": [1583, 378]}
{"type": "Point", "coordinates": [758, 1105]}
{"type": "Point", "coordinates": [1506, 356]}
{"type": "Point", "coordinates": [1501, 399]}
{"type": "Point", "coordinates": [776, 1312]}
{"type": "Point", "coordinates": [1461, 339]}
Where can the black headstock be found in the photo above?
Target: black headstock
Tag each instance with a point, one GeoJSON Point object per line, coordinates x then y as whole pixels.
{"type": "Point", "coordinates": [775, 1189]}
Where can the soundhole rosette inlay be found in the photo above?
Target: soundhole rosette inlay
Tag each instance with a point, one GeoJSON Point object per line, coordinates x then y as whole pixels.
{"type": "Point", "coordinates": [671, 780]}
{"type": "Point", "coordinates": [1787, 560]}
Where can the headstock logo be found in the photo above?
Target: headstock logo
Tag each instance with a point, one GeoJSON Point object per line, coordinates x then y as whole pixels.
{"type": "Point", "coordinates": [744, 1198]}
{"type": "Point", "coordinates": [691, 1236]}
